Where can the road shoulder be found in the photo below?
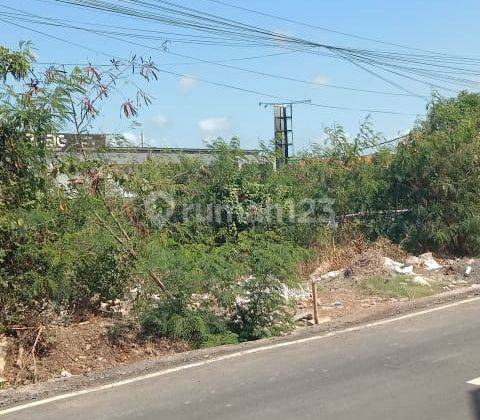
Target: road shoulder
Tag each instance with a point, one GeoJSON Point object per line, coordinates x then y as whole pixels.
{"type": "Point", "coordinates": [178, 361]}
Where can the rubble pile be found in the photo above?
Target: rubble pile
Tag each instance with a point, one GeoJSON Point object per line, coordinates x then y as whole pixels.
{"type": "Point", "coordinates": [359, 285]}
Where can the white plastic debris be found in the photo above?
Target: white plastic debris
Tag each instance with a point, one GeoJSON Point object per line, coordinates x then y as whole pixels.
{"type": "Point", "coordinates": [66, 374]}
{"type": "Point", "coordinates": [468, 270]}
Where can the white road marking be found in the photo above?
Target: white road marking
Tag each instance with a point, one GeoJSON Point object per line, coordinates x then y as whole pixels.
{"type": "Point", "coordinates": [230, 356]}
{"type": "Point", "coordinates": [475, 382]}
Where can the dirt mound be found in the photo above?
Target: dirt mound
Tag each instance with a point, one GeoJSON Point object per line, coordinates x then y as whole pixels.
{"type": "Point", "coordinates": [93, 345]}
{"type": "Point", "coordinates": [356, 261]}
{"type": "Point", "coordinates": [359, 277]}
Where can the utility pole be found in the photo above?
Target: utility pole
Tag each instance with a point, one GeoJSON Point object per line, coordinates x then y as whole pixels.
{"type": "Point", "coordinates": [283, 129]}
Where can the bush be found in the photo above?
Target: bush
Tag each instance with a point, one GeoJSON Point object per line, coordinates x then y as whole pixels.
{"type": "Point", "coordinates": [200, 327]}
{"type": "Point", "coordinates": [262, 310]}
{"type": "Point", "coordinates": [436, 175]}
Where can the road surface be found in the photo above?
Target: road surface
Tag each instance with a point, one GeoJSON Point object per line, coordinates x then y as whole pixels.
{"type": "Point", "coordinates": [410, 368]}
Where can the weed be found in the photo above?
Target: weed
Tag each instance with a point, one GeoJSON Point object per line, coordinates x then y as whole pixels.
{"type": "Point", "coordinates": [397, 286]}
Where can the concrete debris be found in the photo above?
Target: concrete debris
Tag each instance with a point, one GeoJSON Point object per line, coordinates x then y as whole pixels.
{"type": "Point", "coordinates": [332, 274]}
{"type": "Point", "coordinates": [390, 264]}
{"type": "Point", "coordinates": [425, 260]}
{"type": "Point", "coordinates": [413, 260]}
{"type": "Point", "coordinates": [298, 295]}
{"type": "Point", "coordinates": [405, 270]}
{"type": "Point", "coordinates": [338, 295]}
{"type": "Point", "coordinates": [420, 281]}
{"type": "Point", "coordinates": [398, 267]}
{"type": "Point", "coordinates": [429, 262]}
{"type": "Point", "coordinates": [316, 276]}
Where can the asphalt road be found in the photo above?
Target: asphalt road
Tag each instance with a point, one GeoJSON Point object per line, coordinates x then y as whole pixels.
{"type": "Point", "coordinates": [414, 368]}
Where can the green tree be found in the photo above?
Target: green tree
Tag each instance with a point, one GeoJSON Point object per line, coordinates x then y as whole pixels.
{"type": "Point", "coordinates": [436, 175]}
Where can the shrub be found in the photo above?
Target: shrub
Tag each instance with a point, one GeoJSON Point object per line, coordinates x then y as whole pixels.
{"type": "Point", "coordinates": [200, 327]}
{"type": "Point", "coordinates": [262, 309]}
{"type": "Point", "coordinates": [436, 175]}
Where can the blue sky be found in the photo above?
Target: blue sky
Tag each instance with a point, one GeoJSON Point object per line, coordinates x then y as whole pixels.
{"type": "Point", "coordinates": [186, 112]}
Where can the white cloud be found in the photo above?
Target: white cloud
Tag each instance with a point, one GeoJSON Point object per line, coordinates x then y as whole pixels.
{"type": "Point", "coordinates": [186, 84]}
{"type": "Point", "coordinates": [160, 120]}
{"type": "Point", "coordinates": [214, 127]}
{"type": "Point", "coordinates": [320, 79]}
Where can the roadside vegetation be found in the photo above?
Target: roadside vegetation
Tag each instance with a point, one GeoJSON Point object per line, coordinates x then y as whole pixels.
{"type": "Point", "coordinates": [397, 287]}
{"type": "Point", "coordinates": [204, 253]}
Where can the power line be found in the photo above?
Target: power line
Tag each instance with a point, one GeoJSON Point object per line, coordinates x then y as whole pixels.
{"type": "Point", "coordinates": [185, 63]}
{"type": "Point", "coordinates": [257, 12]}
{"type": "Point", "coordinates": [292, 79]}
{"type": "Point", "coordinates": [447, 78]}
{"type": "Point", "coordinates": [58, 38]}
{"type": "Point", "coordinates": [373, 111]}
{"type": "Point", "coordinates": [383, 143]}
{"type": "Point", "coordinates": [185, 17]}
{"type": "Point", "coordinates": [191, 18]}
{"type": "Point", "coordinates": [233, 87]}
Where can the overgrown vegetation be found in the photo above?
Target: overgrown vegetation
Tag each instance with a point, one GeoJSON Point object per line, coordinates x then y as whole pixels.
{"type": "Point", "coordinates": [398, 287]}
{"type": "Point", "coordinates": [205, 252]}
{"type": "Point", "coordinates": [436, 175]}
